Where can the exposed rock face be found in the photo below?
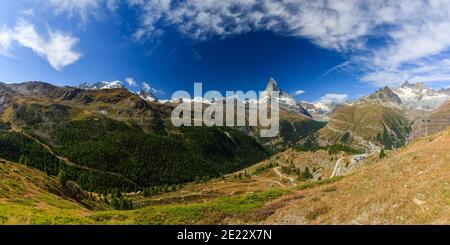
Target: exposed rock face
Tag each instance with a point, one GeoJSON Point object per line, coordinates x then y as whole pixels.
{"type": "Point", "coordinates": [385, 96]}
{"type": "Point", "coordinates": [272, 85]}
{"type": "Point", "coordinates": [147, 95]}
{"type": "Point", "coordinates": [445, 91]}
{"type": "Point", "coordinates": [36, 88]}
{"type": "Point", "coordinates": [372, 122]}
{"type": "Point", "coordinates": [286, 100]}
{"type": "Point", "coordinates": [5, 95]}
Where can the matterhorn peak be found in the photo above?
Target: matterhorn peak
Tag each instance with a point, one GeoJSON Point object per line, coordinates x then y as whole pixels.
{"type": "Point", "coordinates": [272, 85]}
{"type": "Point", "coordinates": [286, 100]}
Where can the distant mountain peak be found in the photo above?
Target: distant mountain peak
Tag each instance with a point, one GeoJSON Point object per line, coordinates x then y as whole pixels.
{"type": "Point", "coordinates": [384, 95]}
{"type": "Point", "coordinates": [286, 100]}
{"type": "Point", "coordinates": [103, 85]}
{"type": "Point", "coordinates": [406, 84]}
{"type": "Point", "coordinates": [419, 85]}
{"type": "Point", "coordinates": [272, 85]}
{"type": "Point", "coordinates": [420, 96]}
{"type": "Point", "coordinates": [147, 95]}
{"type": "Point", "coordinates": [445, 91]}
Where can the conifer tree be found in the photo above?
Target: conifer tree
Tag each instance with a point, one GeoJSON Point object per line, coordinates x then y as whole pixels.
{"type": "Point", "coordinates": [382, 154]}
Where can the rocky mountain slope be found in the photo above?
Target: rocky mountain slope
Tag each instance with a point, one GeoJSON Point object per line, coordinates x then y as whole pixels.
{"type": "Point", "coordinates": [104, 134]}
{"type": "Point", "coordinates": [374, 121]}
{"type": "Point", "coordinates": [415, 98]}
{"type": "Point", "coordinates": [105, 137]}
{"type": "Point", "coordinates": [320, 110]}
{"type": "Point", "coordinates": [286, 101]}
{"type": "Point", "coordinates": [99, 140]}
{"type": "Point", "coordinates": [409, 186]}
{"type": "Point", "coordinates": [296, 124]}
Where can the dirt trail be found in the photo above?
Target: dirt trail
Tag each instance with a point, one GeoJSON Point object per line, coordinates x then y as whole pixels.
{"type": "Point", "coordinates": [268, 180]}
{"type": "Point", "coordinates": [353, 160]}
{"type": "Point", "coordinates": [282, 176]}
{"type": "Point", "coordinates": [336, 166]}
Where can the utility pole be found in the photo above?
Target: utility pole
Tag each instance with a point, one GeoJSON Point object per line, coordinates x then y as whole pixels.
{"type": "Point", "coordinates": [426, 121]}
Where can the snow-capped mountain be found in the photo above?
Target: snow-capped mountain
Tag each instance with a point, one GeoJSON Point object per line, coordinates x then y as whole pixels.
{"type": "Point", "coordinates": [146, 95]}
{"type": "Point", "coordinates": [103, 85]}
{"type": "Point", "coordinates": [419, 96]}
{"type": "Point", "coordinates": [320, 110]}
{"type": "Point", "coordinates": [286, 100]}
{"type": "Point", "coordinates": [444, 91]}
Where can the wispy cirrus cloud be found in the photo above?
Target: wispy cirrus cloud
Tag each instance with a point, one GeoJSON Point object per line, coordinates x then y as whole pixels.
{"type": "Point", "coordinates": [57, 48]}
{"type": "Point", "coordinates": [146, 86]}
{"type": "Point", "coordinates": [386, 40]}
{"type": "Point", "coordinates": [77, 8]}
{"type": "Point", "coordinates": [112, 5]}
{"type": "Point", "coordinates": [130, 81]}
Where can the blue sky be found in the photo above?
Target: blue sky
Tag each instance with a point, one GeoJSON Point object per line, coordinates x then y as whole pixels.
{"type": "Point", "coordinates": [327, 49]}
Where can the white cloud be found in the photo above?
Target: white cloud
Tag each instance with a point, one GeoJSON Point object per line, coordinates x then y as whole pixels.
{"type": "Point", "coordinates": [299, 92]}
{"type": "Point", "coordinates": [329, 98]}
{"type": "Point", "coordinates": [146, 86]}
{"type": "Point", "coordinates": [331, 24]}
{"type": "Point", "coordinates": [149, 88]}
{"type": "Point", "coordinates": [6, 38]}
{"type": "Point", "coordinates": [112, 5]}
{"type": "Point", "coordinates": [412, 32]}
{"type": "Point", "coordinates": [130, 81]}
{"type": "Point", "coordinates": [57, 48]}
{"type": "Point", "coordinates": [82, 8]}
{"type": "Point", "coordinates": [28, 12]}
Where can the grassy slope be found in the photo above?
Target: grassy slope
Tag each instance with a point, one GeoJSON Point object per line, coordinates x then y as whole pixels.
{"type": "Point", "coordinates": [218, 201]}
{"type": "Point", "coordinates": [410, 186]}
{"type": "Point", "coordinates": [440, 118]}
{"type": "Point", "coordinates": [26, 198]}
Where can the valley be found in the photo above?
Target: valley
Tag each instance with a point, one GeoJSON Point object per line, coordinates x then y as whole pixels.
{"type": "Point", "coordinates": [104, 155]}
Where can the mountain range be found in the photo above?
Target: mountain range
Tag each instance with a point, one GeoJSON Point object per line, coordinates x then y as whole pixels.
{"type": "Point", "coordinates": [374, 121]}
{"type": "Point", "coordinates": [79, 147]}
{"type": "Point", "coordinates": [386, 118]}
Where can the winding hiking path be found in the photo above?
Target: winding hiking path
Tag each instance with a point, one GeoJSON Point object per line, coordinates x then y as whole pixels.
{"type": "Point", "coordinates": [282, 176]}
{"type": "Point", "coordinates": [268, 180]}
{"type": "Point", "coordinates": [336, 166]}
{"type": "Point", "coordinates": [353, 159]}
